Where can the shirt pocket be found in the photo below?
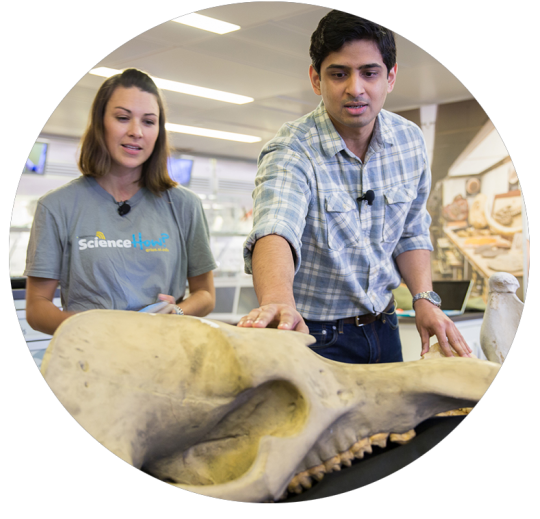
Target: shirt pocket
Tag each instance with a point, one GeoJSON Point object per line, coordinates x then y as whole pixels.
{"type": "Point", "coordinates": [397, 202]}
{"type": "Point", "coordinates": [342, 221]}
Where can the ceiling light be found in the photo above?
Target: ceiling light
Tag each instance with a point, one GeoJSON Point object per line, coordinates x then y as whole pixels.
{"type": "Point", "coordinates": [183, 88]}
{"type": "Point", "coordinates": [216, 134]}
{"type": "Point", "coordinates": [206, 23]}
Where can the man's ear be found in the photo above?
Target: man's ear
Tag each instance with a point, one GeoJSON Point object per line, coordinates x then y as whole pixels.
{"type": "Point", "coordinates": [315, 80]}
{"type": "Point", "coordinates": [392, 78]}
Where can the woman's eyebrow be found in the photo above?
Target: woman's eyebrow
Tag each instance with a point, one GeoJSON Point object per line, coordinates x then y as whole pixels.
{"type": "Point", "coordinates": [127, 110]}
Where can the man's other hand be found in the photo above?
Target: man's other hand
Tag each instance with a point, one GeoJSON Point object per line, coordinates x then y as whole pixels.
{"type": "Point", "coordinates": [284, 317]}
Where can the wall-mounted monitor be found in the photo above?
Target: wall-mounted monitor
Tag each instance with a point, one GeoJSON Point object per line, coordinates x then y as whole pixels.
{"type": "Point", "coordinates": [37, 159]}
{"type": "Point", "coordinates": [180, 169]}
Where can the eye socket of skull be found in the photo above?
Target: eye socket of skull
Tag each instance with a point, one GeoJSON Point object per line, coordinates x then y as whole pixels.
{"type": "Point", "coordinates": [181, 407]}
{"type": "Point", "coordinates": [230, 446]}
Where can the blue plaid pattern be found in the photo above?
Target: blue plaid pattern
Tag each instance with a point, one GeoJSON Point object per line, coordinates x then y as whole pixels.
{"type": "Point", "coordinates": [306, 191]}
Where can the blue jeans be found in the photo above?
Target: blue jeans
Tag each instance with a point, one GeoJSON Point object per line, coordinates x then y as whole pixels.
{"type": "Point", "coordinates": [376, 342]}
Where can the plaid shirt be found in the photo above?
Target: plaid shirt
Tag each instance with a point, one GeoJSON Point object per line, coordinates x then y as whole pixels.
{"type": "Point", "coordinates": [306, 191]}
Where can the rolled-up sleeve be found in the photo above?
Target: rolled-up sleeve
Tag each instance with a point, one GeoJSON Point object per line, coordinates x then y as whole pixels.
{"type": "Point", "coordinates": [280, 200]}
{"type": "Point", "coordinates": [416, 229]}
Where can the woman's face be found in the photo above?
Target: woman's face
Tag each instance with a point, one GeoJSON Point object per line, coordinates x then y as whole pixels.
{"type": "Point", "coordinates": [131, 124]}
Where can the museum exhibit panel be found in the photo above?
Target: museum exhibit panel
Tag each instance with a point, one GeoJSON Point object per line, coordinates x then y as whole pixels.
{"type": "Point", "coordinates": [254, 79]}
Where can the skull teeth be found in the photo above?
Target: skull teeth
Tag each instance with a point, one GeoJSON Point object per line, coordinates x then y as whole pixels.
{"type": "Point", "coordinates": [402, 438]}
{"type": "Point", "coordinates": [346, 458]}
{"type": "Point", "coordinates": [361, 447]}
{"type": "Point", "coordinates": [303, 480]}
{"type": "Point", "coordinates": [333, 464]}
{"type": "Point", "coordinates": [317, 472]}
{"type": "Point", "coordinates": [379, 440]}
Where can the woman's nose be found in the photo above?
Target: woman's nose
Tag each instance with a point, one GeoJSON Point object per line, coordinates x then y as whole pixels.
{"type": "Point", "coordinates": [135, 128]}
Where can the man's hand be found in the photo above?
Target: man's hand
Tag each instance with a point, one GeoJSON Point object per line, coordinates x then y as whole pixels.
{"type": "Point", "coordinates": [284, 317]}
{"type": "Point", "coordinates": [273, 275]}
{"type": "Point", "coordinates": [430, 321]}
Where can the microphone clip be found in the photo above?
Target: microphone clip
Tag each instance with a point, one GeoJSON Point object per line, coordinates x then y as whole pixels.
{"type": "Point", "coordinates": [368, 196]}
{"type": "Point", "coordinates": [123, 208]}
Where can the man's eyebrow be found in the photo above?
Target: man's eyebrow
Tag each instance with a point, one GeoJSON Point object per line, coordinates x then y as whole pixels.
{"type": "Point", "coordinates": [362, 67]}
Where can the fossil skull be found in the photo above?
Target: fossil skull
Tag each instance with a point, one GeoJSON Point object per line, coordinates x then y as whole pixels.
{"type": "Point", "coordinates": [238, 413]}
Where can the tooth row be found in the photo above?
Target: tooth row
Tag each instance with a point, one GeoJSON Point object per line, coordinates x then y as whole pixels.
{"type": "Point", "coordinates": [303, 480]}
{"type": "Point", "coordinates": [402, 438]}
{"type": "Point", "coordinates": [456, 412]}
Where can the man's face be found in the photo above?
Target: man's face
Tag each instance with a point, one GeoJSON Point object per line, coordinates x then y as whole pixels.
{"type": "Point", "coordinates": [354, 83]}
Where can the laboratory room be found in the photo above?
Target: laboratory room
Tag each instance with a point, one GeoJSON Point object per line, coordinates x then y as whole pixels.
{"type": "Point", "coordinates": [321, 197]}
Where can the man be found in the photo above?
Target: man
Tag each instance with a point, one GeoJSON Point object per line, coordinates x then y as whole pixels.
{"type": "Point", "coordinates": [339, 209]}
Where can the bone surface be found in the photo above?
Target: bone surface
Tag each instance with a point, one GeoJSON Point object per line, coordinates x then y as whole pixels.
{"type": "Point", "coordinates": [501, 317]}
{"type": "Point", "coordinates": [237, 413]}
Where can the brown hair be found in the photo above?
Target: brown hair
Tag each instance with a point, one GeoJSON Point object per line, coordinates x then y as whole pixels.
{"type": "Point", "coordinates": [95, 159]}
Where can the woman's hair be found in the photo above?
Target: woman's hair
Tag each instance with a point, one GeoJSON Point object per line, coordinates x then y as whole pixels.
{"type": "Point", "coordinates": [95, 159]}
{"type": "Point", "coordinates": [338, 28]}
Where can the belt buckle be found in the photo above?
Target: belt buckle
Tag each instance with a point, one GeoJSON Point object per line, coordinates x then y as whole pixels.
{"type": "Point", "coordinates": [356, 323]}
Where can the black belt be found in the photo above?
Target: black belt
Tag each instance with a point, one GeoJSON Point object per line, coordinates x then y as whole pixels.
{"type": "Point", "coordinates": [361, 320]}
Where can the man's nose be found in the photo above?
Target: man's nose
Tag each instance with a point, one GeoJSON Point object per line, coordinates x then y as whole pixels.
{"type": "Point", "coordinates": [355, 85]}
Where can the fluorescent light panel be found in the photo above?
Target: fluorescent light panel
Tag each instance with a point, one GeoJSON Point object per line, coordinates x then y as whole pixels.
{"type": "Point", "coordinates": [183, 88]}
{"type": "Point", "coordinates": [216, 134]}
{"type": "Point", "coordinates": [206, 23]}
{"type": "Point", "coordinates": [178, 128]}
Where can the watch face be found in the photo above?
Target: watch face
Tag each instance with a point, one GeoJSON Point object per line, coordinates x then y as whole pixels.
{"type": "Point", "coordinates": [435, 297]}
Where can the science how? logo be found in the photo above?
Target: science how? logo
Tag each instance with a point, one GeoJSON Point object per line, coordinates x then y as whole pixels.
{"type": "Point", "coordinates": [100, 241]}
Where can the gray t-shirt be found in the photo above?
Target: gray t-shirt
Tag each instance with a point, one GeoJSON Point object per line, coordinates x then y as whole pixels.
{"type": "Point", "coordinates": [104, 260]}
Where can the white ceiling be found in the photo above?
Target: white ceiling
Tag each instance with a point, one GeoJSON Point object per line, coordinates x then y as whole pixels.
{"type": "Point", "coordinates": [267, 59]}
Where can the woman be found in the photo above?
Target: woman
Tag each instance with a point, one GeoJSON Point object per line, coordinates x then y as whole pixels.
{"type": "Point", "coordinates": [121, 236]}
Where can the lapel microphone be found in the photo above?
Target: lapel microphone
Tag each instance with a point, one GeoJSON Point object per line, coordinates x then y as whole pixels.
{"type": "Point", "coordinates": [369, 196]}
{"type": "Point", "coordinates": [123, 208]}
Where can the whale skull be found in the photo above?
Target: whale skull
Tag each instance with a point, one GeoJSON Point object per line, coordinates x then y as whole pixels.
{"type": "Point", "coordinates": [238, 413]}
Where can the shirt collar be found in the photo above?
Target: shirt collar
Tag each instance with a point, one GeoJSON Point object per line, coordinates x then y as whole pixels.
{"type": "Point", "coordinates": [332, 142]}
{"type": "Point", "coordinates": [105, 194]}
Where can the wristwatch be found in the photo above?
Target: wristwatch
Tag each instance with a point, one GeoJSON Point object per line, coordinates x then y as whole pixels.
{"type": "Point", "coordinates": [431, 296]}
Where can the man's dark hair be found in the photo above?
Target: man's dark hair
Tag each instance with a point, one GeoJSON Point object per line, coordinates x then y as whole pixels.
{"type": "Point", "coordinates": [338, 28]}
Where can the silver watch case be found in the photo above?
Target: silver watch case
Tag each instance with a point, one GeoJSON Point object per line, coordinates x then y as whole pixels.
{"type": "Point", "coordinates": [431, 296]}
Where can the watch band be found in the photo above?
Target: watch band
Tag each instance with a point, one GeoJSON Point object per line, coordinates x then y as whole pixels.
{"type": "Point", "coordinates": [431, 296]}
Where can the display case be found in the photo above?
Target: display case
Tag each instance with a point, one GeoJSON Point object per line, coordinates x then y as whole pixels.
{"type": "Point", "coordinates": [480, 225]}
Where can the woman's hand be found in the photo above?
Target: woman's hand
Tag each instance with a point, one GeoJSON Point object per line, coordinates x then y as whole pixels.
{"type": "Point", "coordinates": [170, 299]}
{"type": "Point", "coordinates": [171, 307]}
